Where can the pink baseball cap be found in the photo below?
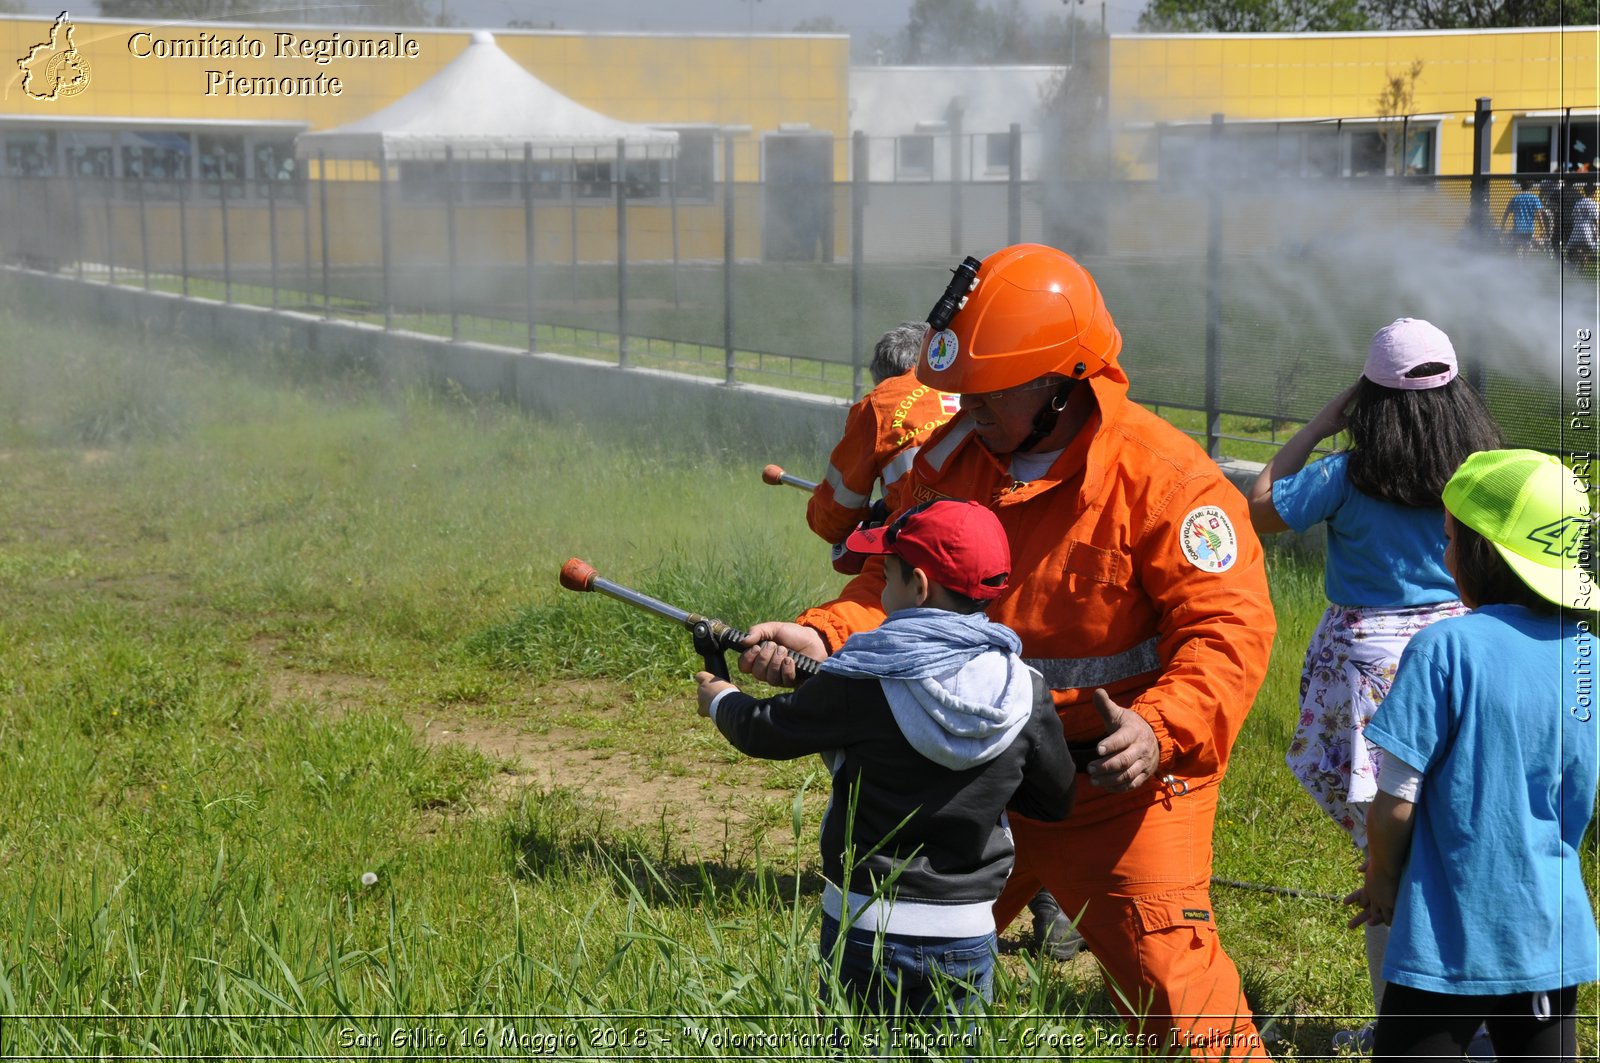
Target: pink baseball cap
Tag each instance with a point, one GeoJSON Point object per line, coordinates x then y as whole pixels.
{"type": "Point", "coordinates": [960, 545]}
{"type": "Point", "coordinates": [1403, 345]}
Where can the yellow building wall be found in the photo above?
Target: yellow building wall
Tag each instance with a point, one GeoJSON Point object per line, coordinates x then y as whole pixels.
{"type": "Point", "coordinates": [1187, 78]}
{"type": "Point", "coordinates": [761, 82]}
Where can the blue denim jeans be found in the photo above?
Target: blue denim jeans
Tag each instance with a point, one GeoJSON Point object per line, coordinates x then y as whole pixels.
{"type": "Point", "coordinates": [903, 981]}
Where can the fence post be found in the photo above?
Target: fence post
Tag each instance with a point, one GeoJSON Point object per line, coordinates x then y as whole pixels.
{"type": "Point", "coordinates": [322, 199]}
{"type": "Point", "coordinates": [77, 221]}
{"type": "Point", "coordinates": [272, 237]}
{"type": "Point", "coordinates": [572, 218]}
{"type": "Point", "coordinates": [227, 265]}
{"type": "Point", "coordinates": [184, 184]}
{"type": "Point", "coordinates": [621, 173]}
{"type": "Point", "coordinates": [1214, 290]}
{"type": "Point", "coordinates": [1479, 214]}
{"type": "Point", "coordinates": [305, 250]}
{"type": "Point", "coordinates": [111, 253]}
{"type": "Point", "coordinates": [528, 245]}
{"type": "Point", "coordinates": [727, 256]}
{"type": "Point", "coordinates": [1014, 188]}
{"type": "Point", "coordinates": [858, 243]}
{"type": "Point", "coordinates": [672, 212]}
{"type": "Point", "coordinates": [955, 181]}
{"type": "Point", "coordinates": [450, 237]}
{"type": "Point", "coordinates": [144, 232]}
{"type": "Point", "coordinates": [386, 237]}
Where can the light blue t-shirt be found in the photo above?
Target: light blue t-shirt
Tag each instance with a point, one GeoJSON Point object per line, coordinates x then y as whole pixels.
{"type": "Point", "coordinates": [1379, 553]}
{"type": "Point", "coordinates": [1497, 710]}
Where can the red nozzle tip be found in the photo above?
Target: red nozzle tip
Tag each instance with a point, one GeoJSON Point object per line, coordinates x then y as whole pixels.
{"type": "Point", "coordinates": [773, 474]}
{"type": "Point", "coordinates": [577, 574]}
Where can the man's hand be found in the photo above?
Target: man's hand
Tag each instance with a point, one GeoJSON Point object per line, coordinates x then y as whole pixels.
{"type": "Point", "coordinates": [765, 658]}
{"type": "Point", "coordinates": [710, 687]}
{"type": "Point", "coordinates": [1128, 754]}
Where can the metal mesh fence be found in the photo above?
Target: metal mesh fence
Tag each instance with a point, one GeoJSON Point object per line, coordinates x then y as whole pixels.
{"type": "Point", "coordinates": [1250, 301]}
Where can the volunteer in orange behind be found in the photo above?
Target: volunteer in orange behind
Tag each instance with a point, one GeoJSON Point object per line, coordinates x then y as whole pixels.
{"type": "Point", "coordinates": [880, 436]}
{"type": "Point", "coordinates": [1139, 592]}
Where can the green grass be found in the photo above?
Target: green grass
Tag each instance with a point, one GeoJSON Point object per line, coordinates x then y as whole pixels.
{"type": "Point", "coordinates": [234, 592]}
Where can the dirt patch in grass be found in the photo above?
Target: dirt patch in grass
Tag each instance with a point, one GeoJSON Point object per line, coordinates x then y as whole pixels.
{"type": "Point", "coordinates": [631, 786]}
{"type": "Point", "coordinates": [626, 786]}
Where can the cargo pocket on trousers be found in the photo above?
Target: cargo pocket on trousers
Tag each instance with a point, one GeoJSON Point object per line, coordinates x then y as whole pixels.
{"type": "Point", "coordinates": [1177, 932]}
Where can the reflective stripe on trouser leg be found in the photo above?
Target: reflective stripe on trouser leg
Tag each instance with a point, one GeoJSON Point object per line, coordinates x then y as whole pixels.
{"type": "Point", "coordinates": [1141, 880]}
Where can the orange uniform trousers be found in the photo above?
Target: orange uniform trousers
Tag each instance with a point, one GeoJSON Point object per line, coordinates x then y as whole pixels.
{"type": "Point", "coordinates": [1141, 882]}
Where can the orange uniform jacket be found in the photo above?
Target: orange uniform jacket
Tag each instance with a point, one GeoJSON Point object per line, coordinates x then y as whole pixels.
{"type": "Point", "coordinates": [880, 433]}
{"type": "Point", "coordinates": [1134, 568]}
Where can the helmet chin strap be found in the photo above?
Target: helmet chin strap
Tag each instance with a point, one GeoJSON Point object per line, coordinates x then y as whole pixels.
{"type": "Point", "coordinates": [1044, 422]}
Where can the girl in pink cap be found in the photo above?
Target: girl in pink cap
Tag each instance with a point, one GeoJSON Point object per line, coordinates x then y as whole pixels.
{"type": "Point", "coordinates": [1412, 420]}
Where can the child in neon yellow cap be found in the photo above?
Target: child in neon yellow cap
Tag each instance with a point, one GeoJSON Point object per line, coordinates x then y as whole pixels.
{"type": "Point", "coordinates": [1489, 779]}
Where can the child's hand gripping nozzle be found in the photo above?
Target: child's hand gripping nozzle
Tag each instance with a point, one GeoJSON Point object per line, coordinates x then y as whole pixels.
{"type": "Point", "coordinates": [712, 638]}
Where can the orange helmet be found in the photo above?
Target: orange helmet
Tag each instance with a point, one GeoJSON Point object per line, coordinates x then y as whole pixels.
{"type": "Point", "coordinates": [1032, 312]}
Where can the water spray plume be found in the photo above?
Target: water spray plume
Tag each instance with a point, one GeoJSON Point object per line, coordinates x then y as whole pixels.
{"type": "Point", "coordinates": [774, 475]}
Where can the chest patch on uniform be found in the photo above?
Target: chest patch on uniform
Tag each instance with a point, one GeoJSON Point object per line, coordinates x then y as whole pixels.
{"type": "Point", "coordinates": [942, 350]}
{"type": "Point", "coordinates": [1208, 539]}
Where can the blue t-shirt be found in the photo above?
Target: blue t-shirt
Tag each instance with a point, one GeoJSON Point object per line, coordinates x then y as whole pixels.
{"type": "Point", "coordinates": [1497, 710]}
{"type": "Point", "coordinates": [1379, 553]}
{"type": "Point", "coordinates": [1524, 208]}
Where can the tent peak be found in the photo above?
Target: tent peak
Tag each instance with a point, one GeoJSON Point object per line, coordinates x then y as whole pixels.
{"type": "Point", "coordinates": [482, 37]}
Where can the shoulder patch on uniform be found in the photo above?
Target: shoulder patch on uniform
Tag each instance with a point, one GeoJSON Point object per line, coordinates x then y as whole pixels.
{"type": "Point", "coordinates": [1208, 539]}
{"type": "Point", "coordinates": [949, 404]}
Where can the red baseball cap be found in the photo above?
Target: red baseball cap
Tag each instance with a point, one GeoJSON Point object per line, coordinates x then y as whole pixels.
{"type": "Point", "coordinates": [960, 545]}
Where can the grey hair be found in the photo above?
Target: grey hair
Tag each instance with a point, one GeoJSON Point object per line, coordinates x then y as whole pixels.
{"type": "Point", "coordinates": [897, 350]}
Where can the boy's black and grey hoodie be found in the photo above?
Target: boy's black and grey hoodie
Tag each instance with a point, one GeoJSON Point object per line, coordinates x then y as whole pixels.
{"type": "Point", "coordinates": [937, 724]}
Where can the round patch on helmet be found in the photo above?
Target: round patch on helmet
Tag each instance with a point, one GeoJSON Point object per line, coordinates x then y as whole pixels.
{"type": "Point", "coordinates": [1208, 539]}
{"type": "Point", "coordinates": [942, 350]}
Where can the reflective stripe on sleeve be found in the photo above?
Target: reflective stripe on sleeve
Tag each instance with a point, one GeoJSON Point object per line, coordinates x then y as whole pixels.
{"type": "Point", "coordinates": [842, 494]}
{"type": "Point", "coordinates": [899, 466]}
{"type": "Point", "coordinates": [1077, 673]}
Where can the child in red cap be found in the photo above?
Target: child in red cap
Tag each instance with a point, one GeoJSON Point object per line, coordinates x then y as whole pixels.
{"type": "Point", "coordinates": [932, 726]}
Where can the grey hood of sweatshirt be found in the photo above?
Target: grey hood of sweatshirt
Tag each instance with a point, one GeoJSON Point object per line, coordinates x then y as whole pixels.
{"type": "Point", "coordinates": [967, 717]}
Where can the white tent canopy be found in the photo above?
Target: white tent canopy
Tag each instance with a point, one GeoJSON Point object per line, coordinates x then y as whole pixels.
{"type": "Point", "coordinates": [484, 102]}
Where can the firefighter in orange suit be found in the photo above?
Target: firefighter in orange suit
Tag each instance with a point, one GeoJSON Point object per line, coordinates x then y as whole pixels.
{"type": "Point", "coordinates": [880, 436]}
{"type": "Point", "coordinates": [1139, 592]}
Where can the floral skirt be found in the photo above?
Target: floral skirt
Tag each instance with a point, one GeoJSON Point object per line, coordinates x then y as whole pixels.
{"type": "Point", "coordinates": [1349, 668]}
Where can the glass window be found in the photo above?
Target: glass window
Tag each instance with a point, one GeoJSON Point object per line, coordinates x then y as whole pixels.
{"type": "Point", "coordinates": [997, 153]}
{"type": "Point", "coordinates": [696, 164]}
{"type": "Point", "coordinates": [276, 171]}
{"type": "Point", "coordinates": [915, 156]}
{"type": "Point", "coordinates": [423, 180]}
{"type": "Point", "coordinates": [1419, 152]}
{"type": "Point", "coordinates": [489, 180]}
{"type": "Point", "coordinates": [592, 179]}
{"type": "Point", "coordinates": [221, 159]}
{"type": "Point", "coordinates": [88, 155]}
{"type": "Point", "coordinates": [1534, 144]}
{"type": "Point", "coordinates": [1322, 156]}
{"type": "Point", "coordinates": [1369, 154]}
{"type": "Point", "coordinates": [30, 154]}
{"type": "Point", "coordinates": [643, 178]}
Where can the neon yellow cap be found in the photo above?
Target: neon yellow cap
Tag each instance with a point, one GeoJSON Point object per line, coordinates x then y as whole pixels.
{"type": "Point", "coordinates": [1535, 512]}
